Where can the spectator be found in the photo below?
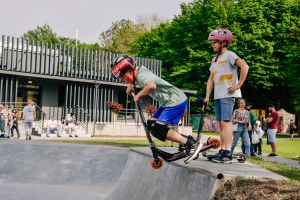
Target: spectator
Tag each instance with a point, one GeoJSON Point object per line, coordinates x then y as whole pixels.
{"type": "Point", "coordinates": [2, 121]}
{"type": "Point", "coordinates": [252, 120]}
{"type": "Point", "coordinates": [272, 128]}
{"type": "Point", "coordinates": [257, 130]}
{"type": "Point", "coordinates": [293, 127]}
{"type": "Point", "coordinates": [72, 125]}
{"type": "Point", "coordinates": [15, 125]}
{"type": "Point", "coordinates": [52, 126]}
{"type": "Point", "coordinates": [28, 118]}
{"type": "Point", "coordinates": [265, 125]}
{"type": "Point", "coordinates": [241, 118]}
{"type": "Point", "coordinates": [62, 126]}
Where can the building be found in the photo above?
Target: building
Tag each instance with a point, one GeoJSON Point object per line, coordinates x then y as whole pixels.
{"type": "Point", "coordinates": [61, 79]}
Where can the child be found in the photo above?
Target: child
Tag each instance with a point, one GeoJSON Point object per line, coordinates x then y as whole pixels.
{"type": "Point", "coordinates": [173, 101]}
{"type": "Point", "coordinates": [260, 133]}
{"type": "Point", "coordinates": [224, 79]}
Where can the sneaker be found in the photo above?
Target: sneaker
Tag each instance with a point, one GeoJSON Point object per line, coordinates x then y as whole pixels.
{"type": "Point", "coordinates": [223, 159]}
{"type": "Point", "coordinates": [188, 147]}
{"type": "Point", "coordinates": [70, 136]}
{"type": "Point", "coordinates": [272, 154]}
{"type": "Point", "coordinates": [195, 148]}
{"type": "Point", "coordinates": [259, 153]}
{"type": "Point", "coordinates": [212, 156]}
{"type": "Point", "coordinates": [253, 154]}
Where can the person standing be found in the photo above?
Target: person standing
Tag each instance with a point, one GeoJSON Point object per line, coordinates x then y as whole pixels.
{"type": "Point", "coordinates": [241, 119]}
{"type": "Point", "coordinates": [15, 125]}
{"type": "Point", "coordinates": [272, 128]}
{"type": "Point", "coordinates": [259, 132]}
{"type": "Point", "coordinates": [252, 120]}
{"type": "Point", "coordinates": [292, 128]}
{"type": "Point", "coordinates": [28, 118]}
{"type": "Point", "coordinates": [224, 79]}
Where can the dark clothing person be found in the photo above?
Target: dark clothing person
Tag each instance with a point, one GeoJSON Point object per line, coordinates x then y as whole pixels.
{"type": "Point", "coordinates": [14, 126]}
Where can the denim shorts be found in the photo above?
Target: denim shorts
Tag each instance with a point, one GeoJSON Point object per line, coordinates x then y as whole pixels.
{"type": "Point", "coordinates": [224, 108]}
{"type": "Point", "coordinates": [271, 135]}
{"type": "Point", "coordinates": [170, 115]}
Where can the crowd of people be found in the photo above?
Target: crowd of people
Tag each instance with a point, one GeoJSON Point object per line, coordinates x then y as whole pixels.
{"type": "Point", "coordinates": [9, 123]}
{"type": "Point", "coordinates": [66, 125]}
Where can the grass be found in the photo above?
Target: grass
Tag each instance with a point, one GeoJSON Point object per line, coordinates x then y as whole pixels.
{"type": "Point", "coordinates": [285, 148]}
{"type": "Point", "coordinates": [292, 173]}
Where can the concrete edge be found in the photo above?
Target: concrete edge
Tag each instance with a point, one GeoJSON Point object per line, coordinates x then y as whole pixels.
{"type": "Point", "coordinates": [196, 169]}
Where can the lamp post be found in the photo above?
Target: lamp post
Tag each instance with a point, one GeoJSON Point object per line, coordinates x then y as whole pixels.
{"type": "Point", "coordinates": [96, 103]}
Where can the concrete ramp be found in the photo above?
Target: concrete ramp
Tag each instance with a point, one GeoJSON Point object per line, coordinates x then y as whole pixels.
{"type": "Point", "coordinates": [36, 170]}
{"type": "Point", "coordinates": [198, 180]}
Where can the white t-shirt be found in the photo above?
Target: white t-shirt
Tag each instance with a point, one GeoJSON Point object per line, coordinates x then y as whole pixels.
{"type": "Point", "coordinates": [224, 74]}
{"type": "Point", "coordinates": [52, 124]}
{"type": "Point", "coordinates": [259, 132]}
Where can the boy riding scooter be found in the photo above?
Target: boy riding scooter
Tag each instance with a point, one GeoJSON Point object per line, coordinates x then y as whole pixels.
{"type": "Point", "coordinates": [173, 101]}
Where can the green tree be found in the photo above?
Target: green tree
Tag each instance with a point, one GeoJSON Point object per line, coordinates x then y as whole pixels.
{"type": "Point", "coordinates": [46, 35]}
{"type": "Point", "coordinates": [121, 33]}
{"type": "Point", "coordinates": [266, 36]}
{"type": "Point", "coordinates": [42, 34]}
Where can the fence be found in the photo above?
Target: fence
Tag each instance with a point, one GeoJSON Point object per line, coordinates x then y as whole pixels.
{"type": "Point", "coordinates": [20, 55]}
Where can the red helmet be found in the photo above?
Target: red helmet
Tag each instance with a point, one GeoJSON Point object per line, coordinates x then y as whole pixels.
{"type": "Point", "coordinates": [221, 35]}
{"type": "Point", "coordinates": [121, 63]}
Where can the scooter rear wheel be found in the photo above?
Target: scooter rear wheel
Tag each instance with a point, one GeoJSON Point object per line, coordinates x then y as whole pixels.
{"type": "Point", "coordinates": [156, 163]}
{"type": "Point", "coordinates": [215, 141]}
{"type": "Point", "coordinates": [241, 158]}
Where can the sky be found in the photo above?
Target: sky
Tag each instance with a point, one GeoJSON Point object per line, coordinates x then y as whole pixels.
{"type": "Point", "coordinates": [89, 17]}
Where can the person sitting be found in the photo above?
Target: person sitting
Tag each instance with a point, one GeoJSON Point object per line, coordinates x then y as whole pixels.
{"type": "Point", "coordinates": [52, 127]}
{"type": "Point", "coordinates": [72, 125]}
{"type": "Point", "coordinates": [62, 127]}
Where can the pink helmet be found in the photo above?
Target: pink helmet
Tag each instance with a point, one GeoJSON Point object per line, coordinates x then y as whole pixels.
{"type": "Point", "coordinates": [221, 34]}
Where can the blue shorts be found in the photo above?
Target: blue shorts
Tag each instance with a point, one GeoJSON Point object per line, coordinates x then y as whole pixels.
{"type": "Point", "coordinates": [271, 135]}
{"type": "Point", "coordinates": [170, 115]}
{"type": "Point", "coordinates": [224, 108]}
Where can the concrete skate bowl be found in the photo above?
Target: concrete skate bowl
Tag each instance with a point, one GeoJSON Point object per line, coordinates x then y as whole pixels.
{"type": "Point", "coordinates": [36, 170]}
{"type": "Point", "coordinates": [43, 170]}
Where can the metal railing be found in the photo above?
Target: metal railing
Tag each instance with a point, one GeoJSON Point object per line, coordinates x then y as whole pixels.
{"type": "Point", "coordinates": [130, 116]}
{"type": "Point", "coordinates": [20, 55]}
{"type": "Point", "coordinates": [38, 115]}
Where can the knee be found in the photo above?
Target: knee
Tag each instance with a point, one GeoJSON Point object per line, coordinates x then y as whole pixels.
{"type": "Point", "coordinates": [158, 130]}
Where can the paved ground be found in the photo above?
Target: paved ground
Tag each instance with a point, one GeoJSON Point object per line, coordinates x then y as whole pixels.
{"type": "Point", "coordinates": [37, 170]}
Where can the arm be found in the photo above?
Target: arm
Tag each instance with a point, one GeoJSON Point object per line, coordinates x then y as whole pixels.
{"type": "Point", "coordinates": [209, 87]}
{"type": "Point", "coordinates": [149, 87]}
{"type": "Point", "coordinates": [129, 89]}
{"type": "Point", "coordinates": [270, 118]}
{"type": "Point", "coordinates": [243, 75]}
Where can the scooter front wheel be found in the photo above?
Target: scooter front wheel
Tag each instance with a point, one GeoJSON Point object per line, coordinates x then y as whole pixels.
{"type": "Point", "coordinates": [215, 141]}
{"type": "Point", "coordinates": [156, 163]}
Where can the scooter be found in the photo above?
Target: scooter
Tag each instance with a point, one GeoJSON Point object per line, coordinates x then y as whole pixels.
{"type": "Point", "coordinates": [157, 153]}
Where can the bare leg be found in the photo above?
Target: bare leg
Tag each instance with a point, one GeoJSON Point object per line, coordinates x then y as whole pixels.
{"type": "Point", "coordinates": [273, 146]}
{"type": "Point", "coordinates": [226, 135]}
{"type": "Point", "coordinates": [221, 134]}
{"type": "Point", "coordinates": [176, 137]}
